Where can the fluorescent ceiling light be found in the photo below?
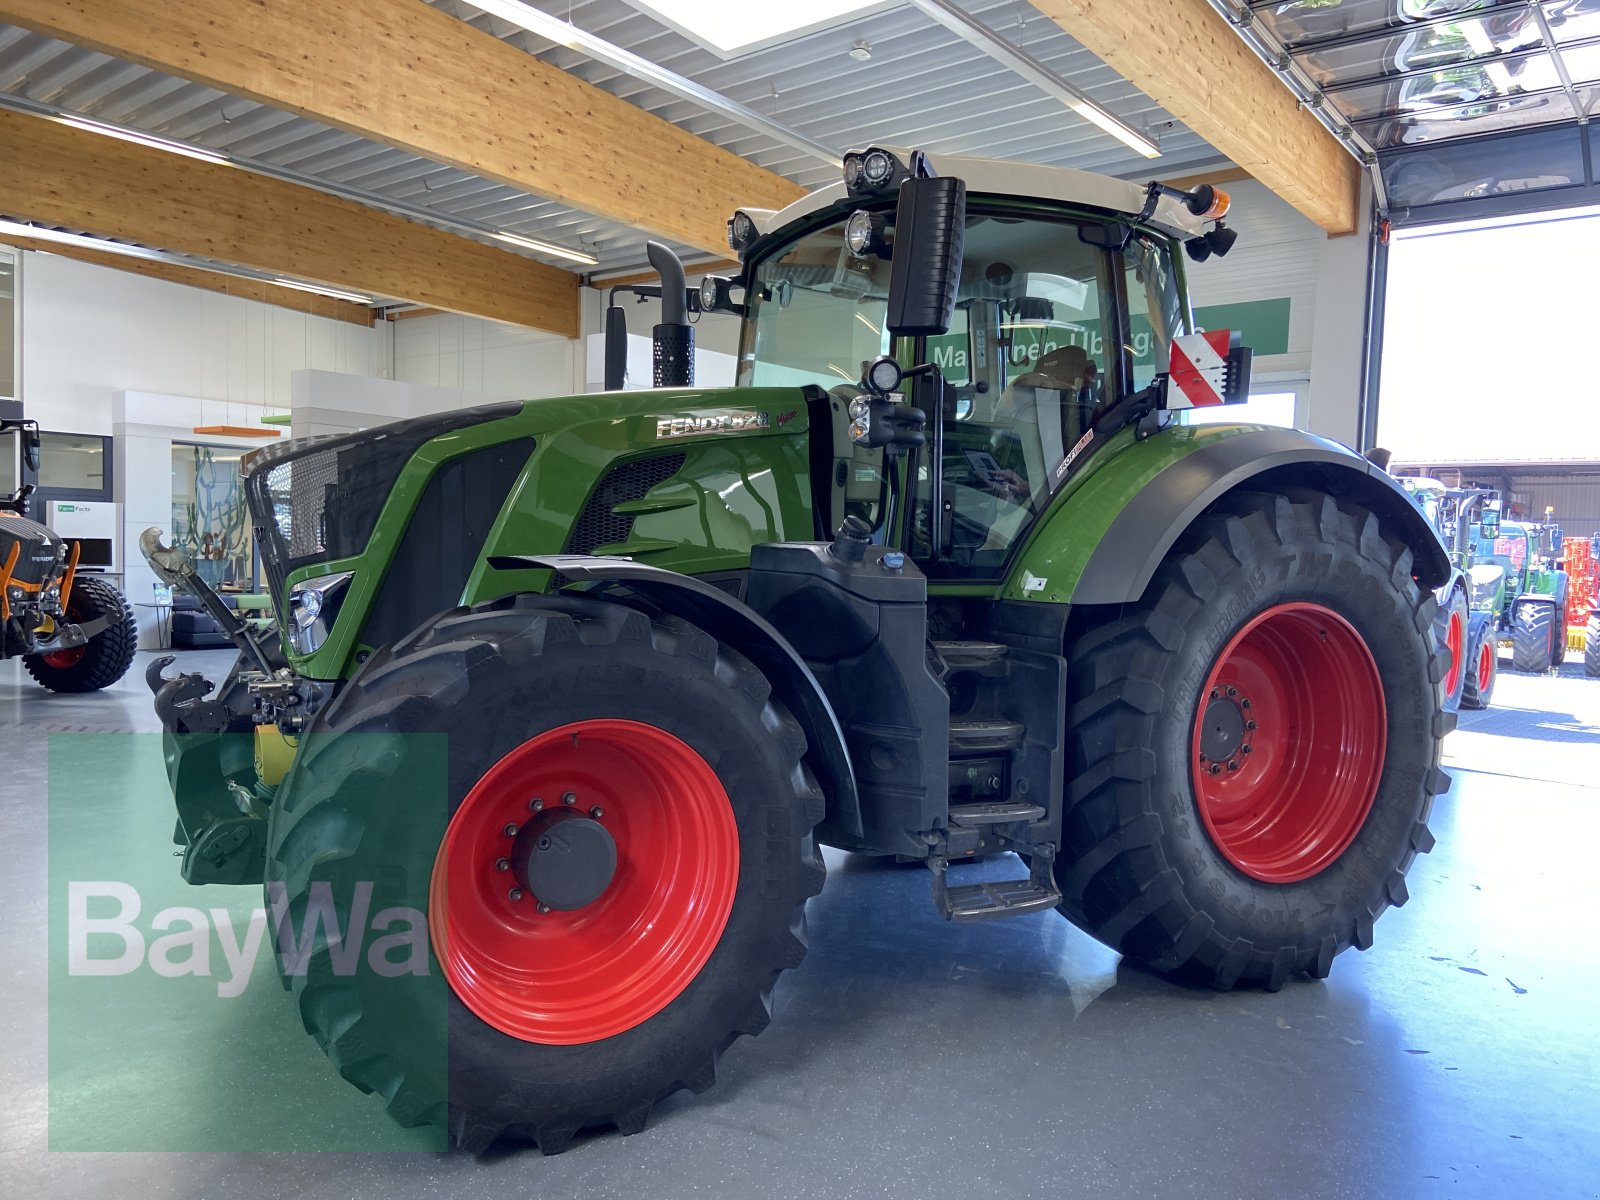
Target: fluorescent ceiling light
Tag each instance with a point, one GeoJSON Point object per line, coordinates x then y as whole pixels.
{"type": "Point", "coordinates": [565, 33]}
{"type": "Point", "coordinates": [731, 27]}
{"type": "Point", "coordinates": [1131, 138]}
{"type": "Point", "coordinates": [975, 32]}
{"type": "Point", "coordinates": [534, 244]}
{"type": "Point", "coordinates": [140, 138]}
{"type": "Point", "coordinates": [319, 290]}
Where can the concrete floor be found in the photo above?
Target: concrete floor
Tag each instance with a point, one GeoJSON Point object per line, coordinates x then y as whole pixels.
{"type": "Point", "coordinates": [1459, 1057]}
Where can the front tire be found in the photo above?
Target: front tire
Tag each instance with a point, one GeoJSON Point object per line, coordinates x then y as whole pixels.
{"type": "Point", "coordinates": [1534, 630]}
{"type": "Point", "coordinates": [1226, 866]}
{"type": "Point", "coordinates": [1483, 661]}
{"type": "Point", "coordinates": [1451, 627]}
{"type": "Point", "coordinates": [104, 658]}
{"type": "Point", "coordinates": [1591, 647]}
{"type": "Point", "coordinates": [569, 1006]}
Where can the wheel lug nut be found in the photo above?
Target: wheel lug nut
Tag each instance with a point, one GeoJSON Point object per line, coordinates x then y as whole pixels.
{"type": "Point", "coordinates": [535, 804]}
{"type": "Point", "coordinates": [1249, 724]}
{"type": "Point", "coordinates": [597, 812]}
{"type": "Point", "coordinates": [1216, 694]}
{"type": "Point", "coordinates": [510, 830]}
{"type": "Point", "coordinates": [1232, 692]}
{"type": "Point", "coordinates": [1233, 765]}
{"type": "Point", "coordinates": [1216, 769]}
{"type": "Point", "coordinates": [544, 908]}
{"type": "Point", "coordinates": [1245, 703]}
{"type": "Point", "coordinates": [570, 798]}
{"type": "Point", "coordinates": [515, 893]}
{"type": "Point", "coordinates": [1246, 748]}
{"type": "Point", "coordinates": [544, 843]}
{"type": "Point", "coordinates": [1203, 758]}
{"type": "Point", "coordinates": [502, 864]}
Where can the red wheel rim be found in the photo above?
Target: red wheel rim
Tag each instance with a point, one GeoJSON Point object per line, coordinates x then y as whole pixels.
{"type": "Point", "coordinates": [1455, 642]}
{"type": "Point", "coordinates": [569, 977]}
{"type": "Point", "coordinates": [1486, 660]}
{"type": "Point", "coordinates": [1288, 742]}
{"type": "Point", "coordinates": [62, 659]}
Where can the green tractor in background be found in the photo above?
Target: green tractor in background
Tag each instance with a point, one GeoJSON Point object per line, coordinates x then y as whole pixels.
{"type": "Point", "coordinates": [1467, 623]}
{"type": "Point", "coordinates": [1519, 577]}
{"type": "Point", "coordinates": [943, 577]}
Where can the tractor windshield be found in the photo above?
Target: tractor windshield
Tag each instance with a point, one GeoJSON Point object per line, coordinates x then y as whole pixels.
{"type": "Point", "coordinates": [1049, 331]}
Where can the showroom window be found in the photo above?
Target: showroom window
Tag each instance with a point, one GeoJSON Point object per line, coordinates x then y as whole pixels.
{"type": "Point", "coordinates": [75, 466]}
{"type": "Point", "coordinates": [1263, 408]}
{"type": "Point", "coordinates": [209, 518]}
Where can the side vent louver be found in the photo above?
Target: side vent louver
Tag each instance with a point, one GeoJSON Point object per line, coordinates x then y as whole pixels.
{"type": "Point", "coordinates": [598, 525]}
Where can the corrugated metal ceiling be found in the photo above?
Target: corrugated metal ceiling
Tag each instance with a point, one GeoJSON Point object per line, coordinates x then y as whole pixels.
{"type": "Point", "coordinates": [923, 86]}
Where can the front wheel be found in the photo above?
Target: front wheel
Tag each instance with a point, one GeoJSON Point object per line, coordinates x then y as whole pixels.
{"type": "Point", "coordinates": [104, 658]}
{"type": "Point", "coordinates": [613, 877]}
{"type": "Point", "coordinates": [1534, 634]}
{"type": "Point", "coordinates": [1591, 647]}
{"type": "Point", "coordinates": [1451, 628]}
{"type": "Point", "coordinates": [1255, 746]}
{"type": "Point", "coordinates": [1483, 661]}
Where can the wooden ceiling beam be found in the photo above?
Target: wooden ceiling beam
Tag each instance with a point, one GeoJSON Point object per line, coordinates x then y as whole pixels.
{"type": "Point", "coordinates": [411, 76]}
{"type": "Point", "coordinates": [1184, 56]}
{"type": "Point", "coordinates": [212, 281]}
{"type": "Point", "coordinates": [59, 175]}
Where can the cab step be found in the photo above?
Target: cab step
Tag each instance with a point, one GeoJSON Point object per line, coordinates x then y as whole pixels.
{"type": "Point", "coordinates": [962, 655]}
{"type": "Point", "coordinates": [984, 735]}
{"type": "Point", "coordinates": [1001, 898]}
{"type": "Point", "coordinates": [994, 812]}
{"type": "Point", "coordinates": [1009, 898]}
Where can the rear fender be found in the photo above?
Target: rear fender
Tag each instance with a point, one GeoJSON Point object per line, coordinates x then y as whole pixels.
{"type": "Point", "coordinates": [1174, 495]}
{"type": "Point", "coordinates": [731, 621]}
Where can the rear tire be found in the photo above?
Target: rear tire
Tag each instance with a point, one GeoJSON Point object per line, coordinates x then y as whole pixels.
{"type": "Point", "coordinates": [546, 672]}
{"type": "Point", "coordinates": [1533, 634]}
{"type": "Point", "coordinates": [1483, 661]}
{"type": "Point", "coordinates": [1140, 867]}
{"type": "Point", "coordinates": [104, 658]}
{"type": "Point", "coordinates": [1451, 628]}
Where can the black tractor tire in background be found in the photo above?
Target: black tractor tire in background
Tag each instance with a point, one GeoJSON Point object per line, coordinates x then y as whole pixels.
{"type": "Point", "coordinates": [1591, 647]}
{"type": "Point", "coordinates": [495, 680]}
{"type": "Point", "coordinates": [106, 657]}
{"type": "Point", "coordinates": [1450, 627]}
{"type": "Point", "coordinates": [1483, 661]}
{"type": "Point", "coordinates": [1534, 634]}
{"type": "Point", "coordinates": [1140, 867]}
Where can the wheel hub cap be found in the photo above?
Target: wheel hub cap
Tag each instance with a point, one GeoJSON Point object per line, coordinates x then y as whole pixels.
{"type": "Point", "coordinates": [564, 860]}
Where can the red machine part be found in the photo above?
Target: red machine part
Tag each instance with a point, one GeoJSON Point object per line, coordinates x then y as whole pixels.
{"type": "Point", "coordinates": [1583, 573]}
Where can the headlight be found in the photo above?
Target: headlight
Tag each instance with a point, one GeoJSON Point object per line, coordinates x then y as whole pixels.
{"type": "Point", "coordinates": [742, 231]}
{"type": "Point", "coordinates": [313, 607]}
{"type": "Point", "coordinates": [882, 375]}
{"type": "Point", "coordinates": [708, 294]}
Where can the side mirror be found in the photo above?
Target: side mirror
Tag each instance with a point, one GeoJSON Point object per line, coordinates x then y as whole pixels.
{"type": "Point", "coordinates": [930, 228]}
{"type": "Point", "coordinates": [30, 449]}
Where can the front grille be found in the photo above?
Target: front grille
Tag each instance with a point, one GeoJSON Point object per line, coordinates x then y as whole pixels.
{"type": "Point", "coordinates": [317, 499]}
{"type": "Point", "coordinates": [598, 525]}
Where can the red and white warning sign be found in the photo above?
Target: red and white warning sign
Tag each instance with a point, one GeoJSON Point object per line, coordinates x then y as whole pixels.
{"type": "Point", "coordinates": [1199, 368]}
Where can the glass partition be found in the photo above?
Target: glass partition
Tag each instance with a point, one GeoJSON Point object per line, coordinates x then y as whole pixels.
{"type": "Point", "coordinates": [209, 518]}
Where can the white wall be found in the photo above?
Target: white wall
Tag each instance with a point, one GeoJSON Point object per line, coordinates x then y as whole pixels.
{"type": "Point", "coordinates": [468, 354]}
{"type": "Point", "coordinates": [89, 331]}
{"type": "Point", "coordinates": [325, 402]}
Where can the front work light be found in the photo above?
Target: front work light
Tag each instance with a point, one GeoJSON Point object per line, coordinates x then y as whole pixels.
{"type": "Point", "coordinates": [742, 231]}
{"type": "Point", "coordinates": [873, 172]}
{"type": "Point", "coordinates": [866, 235]}
{"type": "Point", "coordinates": [313, 606]}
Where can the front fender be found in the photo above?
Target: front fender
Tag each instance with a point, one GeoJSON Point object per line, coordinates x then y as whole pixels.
{"type": "Point", "coordinates": [731, 621]}
{"type": "Point", "coordinates": [1143, 499]}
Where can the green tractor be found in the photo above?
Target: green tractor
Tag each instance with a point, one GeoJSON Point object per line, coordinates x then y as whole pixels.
{"type": "Point", "coordinates": [1469, 608]}
{"type": "Point", "coordinates": [944, 576]}
{"type": "Point", "coordinates": [1519, 577]}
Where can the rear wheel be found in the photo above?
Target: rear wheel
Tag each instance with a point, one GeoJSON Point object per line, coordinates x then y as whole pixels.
{"type": "Point", "coordinates": [1533, 634]}
{"type": "Point", "coordinates": [1255, 746]}
{"type": "Point", "coordinates": [613, 882]}
{"type": "Point", "coordinates": [1483, 661]}
{"type": "Point", "coordinates": [1452, 623]}
{"type": "Point", "coordinates": [104, 658]}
